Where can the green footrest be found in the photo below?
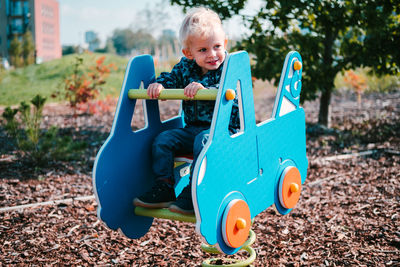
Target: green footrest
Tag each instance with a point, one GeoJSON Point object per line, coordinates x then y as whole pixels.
{"type": "Point", "coordinates": [164, 214]}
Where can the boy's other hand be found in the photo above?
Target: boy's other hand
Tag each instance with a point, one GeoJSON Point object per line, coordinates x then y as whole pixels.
{"type": "Point", "coordinates": [154, 90]}
{"type": "Point", "coordinates": [191, 90]}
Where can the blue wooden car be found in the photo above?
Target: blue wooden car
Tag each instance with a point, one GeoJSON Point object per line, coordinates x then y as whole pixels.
{"type": "Point", "coordinates": [235, 178]}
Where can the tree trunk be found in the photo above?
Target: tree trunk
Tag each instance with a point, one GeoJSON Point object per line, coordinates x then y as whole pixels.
{"type": "Point", "coordinates": [325, 100]}
{"type": "Point", "coordinates": [323, 116]}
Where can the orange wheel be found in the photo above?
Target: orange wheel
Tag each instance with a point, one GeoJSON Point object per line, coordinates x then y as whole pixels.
{"type": "Point", "coordinates": [289, 187]}
{"type": "Point", "coordinates": [236, 223]}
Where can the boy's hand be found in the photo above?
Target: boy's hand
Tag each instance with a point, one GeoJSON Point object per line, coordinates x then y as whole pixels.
{"type": "Point", "coordinates": [191, 90]}
{"type": "Point", "coordinates": [154, 90]}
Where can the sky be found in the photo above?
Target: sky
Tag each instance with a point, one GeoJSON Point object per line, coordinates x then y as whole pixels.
{"type": "Point", "coordinates": [104, 16]}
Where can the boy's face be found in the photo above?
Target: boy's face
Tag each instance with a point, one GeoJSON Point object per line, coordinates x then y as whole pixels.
{"type": "Point", "coordinates": [208, 52]}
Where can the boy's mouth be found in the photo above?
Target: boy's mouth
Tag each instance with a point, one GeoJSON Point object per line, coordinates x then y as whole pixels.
{"type": "Point", "coordinates": [213, 62]}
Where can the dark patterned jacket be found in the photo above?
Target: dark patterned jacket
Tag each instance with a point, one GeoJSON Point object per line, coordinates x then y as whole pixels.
{"type": "Point", "coordinates": [197, 113]}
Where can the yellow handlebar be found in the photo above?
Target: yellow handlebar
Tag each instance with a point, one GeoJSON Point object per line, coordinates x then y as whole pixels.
{"type": "Point", "coordinates": [204, 94]}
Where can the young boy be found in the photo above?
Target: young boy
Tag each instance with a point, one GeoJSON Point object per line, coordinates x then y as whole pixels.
{"type": "Point", "coordinates": [204, 47]}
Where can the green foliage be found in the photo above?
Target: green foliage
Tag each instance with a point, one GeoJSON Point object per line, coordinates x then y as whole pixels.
{"type": "Point", "coordinates": [22, 53]}
{"type": "Point", "coordinates": [125, 40]}
{"type": "Point", "coordinates": [11, 125]}
{"type": "Point", "coordinates": [330, 35]}
{"type": "Point", "coordinates": [46, 79]}
{"type": "Point", "coordinates": [109, 47]}
{"type": "Point", "coordinates": [2, 71]}
{"type": "Point", "coordinates": [69, 49]}
{"type": "Point", "coordinates": [38, 146]}
{"type": "Point", "coordinates": [122, 40]}
{"type": "Point", "coordinates": [383, 83]}
{"type": "Point", "coordinates": [374, 83]}
{"type": "Point", "coordinates": [15, 52]}
{"type": "Point", "coordinates": [225, 9]}
{"type": "Point", "coordinates": [32, 120]}
{"type": "Point", "coordinates": [374, 39]}
{"type": "Point", "coordinates": [28, 48]}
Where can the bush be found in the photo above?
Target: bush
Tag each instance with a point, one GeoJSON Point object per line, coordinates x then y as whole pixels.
{"type": "Point", "coordinates": [386, 83]}
{"type": "Point", "coordinates": [38, 146]}
{"type": "Point", "coordinates": [363, 80]}
{"type": "Point", "coordinates": [82, 86]}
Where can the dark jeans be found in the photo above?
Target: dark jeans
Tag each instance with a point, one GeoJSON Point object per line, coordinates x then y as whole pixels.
{"type": "Point", "coordinates": [188, 140]}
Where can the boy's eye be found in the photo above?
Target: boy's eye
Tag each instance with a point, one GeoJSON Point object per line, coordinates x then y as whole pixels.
{"type": "Point", "coordinates": [203, 50]}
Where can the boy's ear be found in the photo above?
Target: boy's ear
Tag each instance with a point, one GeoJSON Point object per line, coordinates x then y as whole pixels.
{"type": "Point", "coordinates": [187, 53]}
{"type": "Point", "coordinates": [226, 42]}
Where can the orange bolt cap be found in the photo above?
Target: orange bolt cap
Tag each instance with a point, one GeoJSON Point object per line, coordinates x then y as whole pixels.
{"type": "Point", "coordinates": [294, 187]}
{"type": "Point", "coordinates": [230, 94]}
{"type": "Point", "coordinates": [297, 65]}
{"type": "Point", "coordinates": [240, 223]}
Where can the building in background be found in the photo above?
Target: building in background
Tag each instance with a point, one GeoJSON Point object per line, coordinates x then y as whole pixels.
{"type": "Point", "coordinates": [41, 17]}
{"type": "Point", "coordinates": [92, 40]}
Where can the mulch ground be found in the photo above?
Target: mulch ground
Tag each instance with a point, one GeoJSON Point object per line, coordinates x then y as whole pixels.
{"type": "Point", "coordinates": [348, 213]}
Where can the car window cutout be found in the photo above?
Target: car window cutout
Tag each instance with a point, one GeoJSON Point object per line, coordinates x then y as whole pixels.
{"type": "Point", "coordinates": [264, 98]}
{"type": "Point", "coordinates": [139, 116]}
{"type": "Point", "coordinates": [169, 109]}
{"type": "Point", "coordinates": [239, 101]}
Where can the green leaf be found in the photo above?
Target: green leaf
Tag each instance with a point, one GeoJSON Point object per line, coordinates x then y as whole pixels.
{"type": "Point", "coordinates": [38, 101]}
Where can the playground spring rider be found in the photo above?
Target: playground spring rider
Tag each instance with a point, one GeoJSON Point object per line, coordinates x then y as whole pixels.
{"type": "Point", "coordinates": [235, 177]}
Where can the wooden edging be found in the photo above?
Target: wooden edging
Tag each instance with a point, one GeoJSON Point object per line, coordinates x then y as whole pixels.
{"type": "Point", "coordinates": [47, 203]}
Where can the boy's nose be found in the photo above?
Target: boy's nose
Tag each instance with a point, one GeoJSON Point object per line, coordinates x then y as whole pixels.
{"type": "Point", "coordinates": [212, 53]}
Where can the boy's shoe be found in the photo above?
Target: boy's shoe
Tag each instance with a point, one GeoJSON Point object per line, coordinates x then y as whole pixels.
{"type": "Point", "coordinates": [160, 196]}
{"type": "Point", "coordinates": [183, 204]}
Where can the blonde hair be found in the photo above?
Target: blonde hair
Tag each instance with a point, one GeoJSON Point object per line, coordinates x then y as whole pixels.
{"type": "Point", "coordinates": [200, 22]}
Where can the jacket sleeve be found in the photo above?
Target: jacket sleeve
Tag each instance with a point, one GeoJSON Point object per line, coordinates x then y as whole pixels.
{"type": "Point", "coordinates": [172, 79]}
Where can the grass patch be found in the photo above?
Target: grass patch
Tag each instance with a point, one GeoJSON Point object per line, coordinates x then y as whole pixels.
{"type": "Point", "coordinates": [23, 84]}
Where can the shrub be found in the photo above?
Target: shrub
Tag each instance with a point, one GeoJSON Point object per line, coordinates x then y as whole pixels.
{"type": "Point", "coordinates": [363, 80]}
{"type": "Point", "coordinates": [38, 146]}
{"type": "Point", "coordinates": [82, 86]}
{"type": "Point", "coordinates": [15, 52]}
{"type": "Point", "coordinates": [385, 83]}
{"type": "Point", "coordinates": [357, 82]}
{"type": "Point", "coordinates": [99, 106]}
